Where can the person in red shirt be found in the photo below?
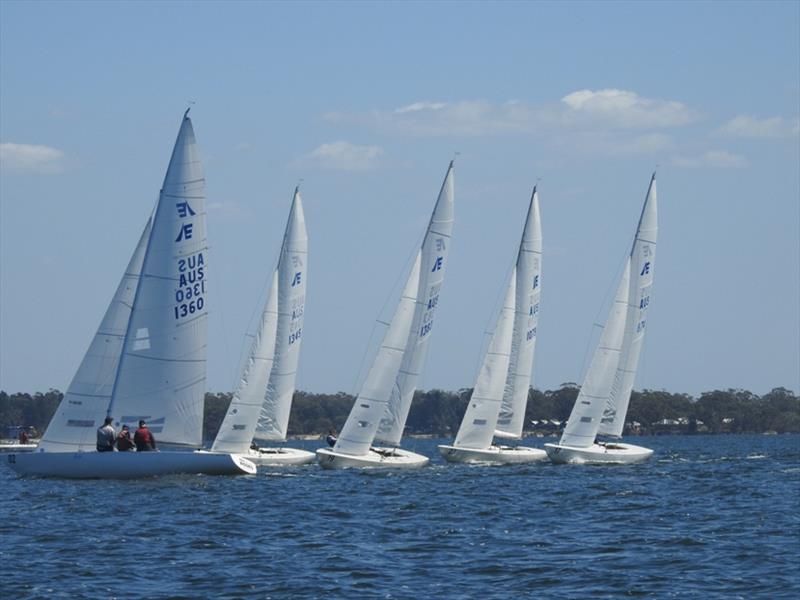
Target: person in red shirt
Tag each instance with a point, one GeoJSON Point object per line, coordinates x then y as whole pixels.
{"type": "Point", "coordinates": [143, 439]}
{"type": "Point", "coordinates": [124, 442]}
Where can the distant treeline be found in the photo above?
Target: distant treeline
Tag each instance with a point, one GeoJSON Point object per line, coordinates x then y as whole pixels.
{"type": "Point", "coordinates": [438, 412]}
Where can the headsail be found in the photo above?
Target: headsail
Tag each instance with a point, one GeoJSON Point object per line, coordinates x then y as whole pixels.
{"type": "Point", "coordinates": [84, 405]}
{"type": "Point", "coordinates": [584, 419]}
{"type": "Point", "coordinates": [237, 429]}
{"type": "Point", "coordinates": [478, 425]}
{"type": "Point", "coordinates": [643, 259]}
{"type": "Point", "coordinates": [434, 252]}
{"type": "Point", "coordinates": [526, 319]}
{"type": "Point", "coordinates": [359, 430]}
{"type": "Point", "coordinates": [162, 370]}
{"type": "Point", "coordinates": [292, 281]}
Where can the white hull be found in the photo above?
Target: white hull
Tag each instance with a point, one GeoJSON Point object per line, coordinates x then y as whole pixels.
{"type": "Point", "coordinates": [598, 454]}
{"type": "Point", "coordinates": [17, 448]}
{"type": "Point", "coordinates": [494, 455]}
{"type": "Point", "coordinates": [126, 465]}
{"type": "Point", "coordinates": [381, 458]}
{"type": "Point", "coordinates": [279, 457]}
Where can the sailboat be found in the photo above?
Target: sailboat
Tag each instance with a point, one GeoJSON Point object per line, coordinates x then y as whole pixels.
{"type": "Point", "coordinates": [381, 408]}
{"type": "Point", "coordinates": [148, 358]}
{"type": "Point", "coordinates": [602, 402]}
{"type": "Point", "coordinates": [263, 398]}
{"type": "Point", "coordinates": [497, 405]}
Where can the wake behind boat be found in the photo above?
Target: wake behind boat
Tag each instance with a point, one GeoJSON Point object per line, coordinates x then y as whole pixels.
{"type": "Point", "coordinates": [602, 403]}
{"type": "Point", "coordinates": [147, 360]}
{"type": "Point", "coordinates": [497, 405]}
{"type": "Point", "coordinates": [381, 408]}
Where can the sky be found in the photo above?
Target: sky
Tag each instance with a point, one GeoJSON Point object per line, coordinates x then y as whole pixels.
{"type": "Point", "coordinates": [364, 104]}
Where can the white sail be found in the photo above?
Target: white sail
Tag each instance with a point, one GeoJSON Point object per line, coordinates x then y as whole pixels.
{"type": "Point", "coordinates": [162, 370]}
{"type": "Point", "coordinates": [643, 260]}
{"type": "Point", "coordinates": [526, 319]}
{"type": "Point", "coordinates": [584, 419]}
{"type": "Point", "coordinates": [434, 252]}
{"type": "Point", "coordinates": [359, 430]}
{"type": "Point", "coordinates": [478, 426]}
{"type": "Point", "coordinates": [81, 410]}
{"type": "Point", "coordinates": [292, 281]}
{"type": "Point", "coordinates": [237, 429]}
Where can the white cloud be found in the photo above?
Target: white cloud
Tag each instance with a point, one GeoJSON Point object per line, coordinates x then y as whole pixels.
{"type": "Point", "coordinates": [30, 158]}
{"type": "Point", "coordinates": [418, 106]}
{"type": "Point", "coordinates": [712, 158]}
{"type": "Point", "coordinates": [344, 156]}
{"type": "Point", "coordinates": [623, 108]}
{"type": "Point", "coordinates": [602, 110]}
{"type": "Point", "coordinates": [747, 126]}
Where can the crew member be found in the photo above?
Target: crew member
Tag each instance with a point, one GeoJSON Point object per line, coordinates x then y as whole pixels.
{"type": "Point", "coordinates": [106, 436]}
{"type": "Point", "coordinates": [143, 438]}
{"type": "Point", "coordinates": [124, 442]}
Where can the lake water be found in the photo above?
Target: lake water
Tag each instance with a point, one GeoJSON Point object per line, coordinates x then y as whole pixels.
{"type": "Point", "coordinates": [707, 517]}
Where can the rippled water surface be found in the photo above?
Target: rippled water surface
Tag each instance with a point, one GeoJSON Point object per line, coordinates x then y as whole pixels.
{"type": "Point", "coordinates": [708, 516]}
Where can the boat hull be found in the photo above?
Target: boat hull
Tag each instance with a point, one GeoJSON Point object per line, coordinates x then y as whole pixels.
{"type": "Point", "coordinates": [126, 465]}
{"type": "Point", "coordinates": [378, 458]}
{"type": "Point", "coordinates": [279, 457]}
{"type": "Point", "coordinates": [598, 454]}
{"type": "Point", "coordinates": [4, 448]}
{"type": "Point", "coordinates": [494, 455]}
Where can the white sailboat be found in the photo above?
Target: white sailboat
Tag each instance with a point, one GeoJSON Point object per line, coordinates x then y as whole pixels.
{"type": "Point", "coordinates": [263, 398]}
{"type": "Point", "coordinates": [497, 406]}
{"type": "Point", "coordinates": [148, 357]}
{"type": "Point", "coordinates": [381, 408]}
{"type": "Point", "coordinates": [603, 400]}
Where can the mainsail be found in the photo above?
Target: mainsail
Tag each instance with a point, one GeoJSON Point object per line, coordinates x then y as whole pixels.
{"type": "Point", "coordinates": [643, 260]}
{"type": "Point", "coordinates": [83, 407]}
{"type": "Point", "coordinates": [526, 319]}
{"type": "Point", "coordinates": [162, 370]}
{"type": "Point", "coordinates": [434, 252]}
{"type": "Point", "coordinates": [584, 419]}
{"type": "Point", "coordinates": [292, 281]}
{"type": "Point", "coordinates": [359, 430]}
{"type": "Point", "coordinates": [478, 426]}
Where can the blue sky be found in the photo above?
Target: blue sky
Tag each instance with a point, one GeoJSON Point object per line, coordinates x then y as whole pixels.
{"type": "Point", "coordinates": [367, 103]}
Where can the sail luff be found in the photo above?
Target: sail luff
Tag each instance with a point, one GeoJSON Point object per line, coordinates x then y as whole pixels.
{"type": "Point", "coordinates": [239, 425]}
{"type": "Point", "coordinates": [584, 420]}
{"type": "Point", "coordinates": [478, 425]}
{"type": "Point", "coordinates": [359, 430]}
{"type": "Point", "coordinates": [642, 257]}
{"type": "Point", "coordinates": [511, 419]}
{"type": "Point", "coordinates": [86, 400]}
{"type": "Point", "coordinates": [434, 257]}
{"type": "Point", "coordinates": [273, 421]}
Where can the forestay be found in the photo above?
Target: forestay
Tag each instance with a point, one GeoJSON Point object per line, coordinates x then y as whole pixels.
{"type": "Point", "coordinates": [83, 407]}
{"type": "Point", "coordinates": [526, 319]}
{"type": "Point", "coordinates": [162, 370]}
{"type": "Point", "coordinates": [292, 281]}
{"type": "Point", "coordinates": [643, 260]}
{"type": "Point", "coordinates": [477, 427]}
{"type": "Point", "coordinates": [584, 420]}
{"type": "Point", "coordinates": [237, 429]}
{"type": "Point", "coordinates": [359, 430]}
{"type": "Point", "coordinates": [434, 253]}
